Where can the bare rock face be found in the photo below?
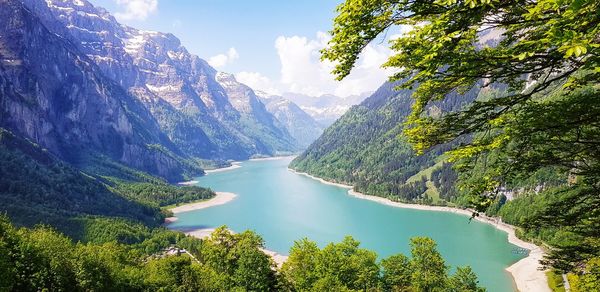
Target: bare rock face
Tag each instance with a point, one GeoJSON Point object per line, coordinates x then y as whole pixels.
{"type": "Point", "coordinates": [58, 97]}
{"type": "Point", "coordinates": [304, 128]}
{"type": "Point", "coordinates": [254, 115]}
{"type": "Point", "coordinates": [180, 90]}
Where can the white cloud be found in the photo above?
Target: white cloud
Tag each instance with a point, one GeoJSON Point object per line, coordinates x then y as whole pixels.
{"type": "Point", "coordinates": [221, 60]}
{"type": "Point", "coordinates": [136, 9]}
{"type": "Point", "coordinates": [302, 71]}
{"type": "Point", "coordinates": [258, 81]}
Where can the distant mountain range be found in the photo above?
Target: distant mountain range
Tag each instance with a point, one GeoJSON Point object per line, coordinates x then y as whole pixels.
{"type": "Point", "coordinates": [302, 126]}
{"type": "Point", "coordinates": [82, 85]}
{"type": "Point", "coordinates": [327, 108]}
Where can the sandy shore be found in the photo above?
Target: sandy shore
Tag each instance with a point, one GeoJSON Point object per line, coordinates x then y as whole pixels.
{"type": "Point", "coordinates": [525, 272]}
{"type": "Point", "coordinates": [322, 180]}
{"type": "Point", "coordinates": [188, 183]}
{"type": "Point", "coordinates": [278, 258]}
{"type": "Point", "coordinates": [220, 199]}
{"type": "Point", "coordinates": [170, 220]}
{"type": "Point", "coordinates": [234, 165]}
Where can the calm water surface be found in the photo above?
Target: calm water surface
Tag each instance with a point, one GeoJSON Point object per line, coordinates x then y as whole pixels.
{"type": "Point", "coordinates": [282, 207]}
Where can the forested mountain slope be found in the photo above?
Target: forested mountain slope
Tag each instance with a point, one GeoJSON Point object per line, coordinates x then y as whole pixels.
{"type": "Point", "coordinates": [366, 148]}
{"type": "Point", "coordinates": [36, 187]}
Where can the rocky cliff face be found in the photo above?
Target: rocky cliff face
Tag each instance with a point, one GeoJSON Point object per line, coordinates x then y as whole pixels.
{"type": "Point", "coordinates": [255, 118]}
{"type": "Point", "coordinates": [53, 94]}
{"type": "Point", "coordinates": [304, 128]}
{"type": "Point", "coordinates": [179, 89]}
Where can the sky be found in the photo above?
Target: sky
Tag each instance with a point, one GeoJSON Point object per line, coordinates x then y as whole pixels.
{"type": "Point", "coordinates": [270, 45]}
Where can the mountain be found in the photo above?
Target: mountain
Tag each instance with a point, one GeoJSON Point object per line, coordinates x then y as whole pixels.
{"type": "Point", "coordinates": [59, 98]}
{"type": "Point", "coordinates": [298, 123]}
{"type": "Point", "coordinates": [326, 108]}
{"type": "Point", "coordinates": [366, 148]}
{"type": "Point", "coordinates": [178, 89]}
{"type": "Point", "coordinates": [255, 119]}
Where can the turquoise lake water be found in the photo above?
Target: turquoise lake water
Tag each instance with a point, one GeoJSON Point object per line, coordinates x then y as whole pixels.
{"type": "Point", "coordinates": [282, 207]}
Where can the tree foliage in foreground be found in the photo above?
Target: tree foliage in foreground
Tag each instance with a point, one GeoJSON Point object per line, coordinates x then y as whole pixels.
{"type": "Point", "coordinates": [41, 259]}
{"type": "Point", "coordinates": [346, 267]}
{"type": "Point", "coordinates": [546, 53]}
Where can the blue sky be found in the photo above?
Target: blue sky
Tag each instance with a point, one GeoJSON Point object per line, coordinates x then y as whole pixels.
{"type": "Point", "coordinates": [270, 45]}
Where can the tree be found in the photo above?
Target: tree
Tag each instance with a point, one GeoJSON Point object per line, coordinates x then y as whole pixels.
{"type": "Point", "coordinates": [591, 277]}
{"type": "Point", "coordinates": [255, 269]}
{"type": "Point", "coordinates": [299, 268]}
{"type": "Point", "coordinates": [173, 273]}
{"type": "Point", "coordinates": [91, 269]}
{"type": "Point", "coordinates": [541, 61]}
{"type": "Point", "coordinates": [354, 267]}
{"type": "Point", "coordinates": [396, 273]}
{"type": "Point", "coordinates": [329, 283]}
{"type": "Point", "coordinates": [429, 271]}
{"type": "Point", "coordinates": [239, 259]}
{"type": "Point", "coordinates": [8, 241]}
{"type": "Point", "coordinates": [464, 280]}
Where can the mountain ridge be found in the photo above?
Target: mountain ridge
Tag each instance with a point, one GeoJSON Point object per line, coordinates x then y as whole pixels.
{"type": "Point", "coordinates": [178, 88]}
{"type": "Point", "coordinates": [82, 85]}
{"type": "Point", "coordinates": [301, 125]}
{"type": "Point", "coordinates": [366, 147]}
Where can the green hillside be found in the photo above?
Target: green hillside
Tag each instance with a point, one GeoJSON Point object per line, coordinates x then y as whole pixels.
{"type": "Point", "coordinates": [37, 188]}
{"type": "Point", "coordinates": [366, 148]}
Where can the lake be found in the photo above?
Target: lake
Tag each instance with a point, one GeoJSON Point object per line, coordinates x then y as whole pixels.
{"type": "Point", "coordinates": [283, 207]}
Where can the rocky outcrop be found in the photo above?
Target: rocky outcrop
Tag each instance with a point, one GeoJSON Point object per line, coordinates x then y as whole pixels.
{"type": "Point", "coordinates": [255, 118]}
{"type": "Point", "coordinates": [56, 96]}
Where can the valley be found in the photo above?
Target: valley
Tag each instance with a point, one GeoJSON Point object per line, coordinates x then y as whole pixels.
{"type": "Point", "coordinates": [299, 146]}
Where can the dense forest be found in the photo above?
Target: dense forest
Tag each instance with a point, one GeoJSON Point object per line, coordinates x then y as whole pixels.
{"type": "Point", "coordinates": [36, 187]}
{"type": "Point", "coordinates": [161, 260]}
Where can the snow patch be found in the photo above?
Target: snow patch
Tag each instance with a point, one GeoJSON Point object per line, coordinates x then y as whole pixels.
{"type": "Point", "coordinates": [164, 88]}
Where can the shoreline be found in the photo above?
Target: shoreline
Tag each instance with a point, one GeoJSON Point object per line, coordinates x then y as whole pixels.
{"type": "Point", "coordinates": [234, 165]}
{"type": "Point", "coordinates": [220, 199]}
{"type": "Point", "coordinates": [271, 158]}
{"type": "Point", "coordinates": [524, 272]}
{"type": "Point", "coordinates": [321, 180]}
{"type": "Point", "coordinates": [188, 183]}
